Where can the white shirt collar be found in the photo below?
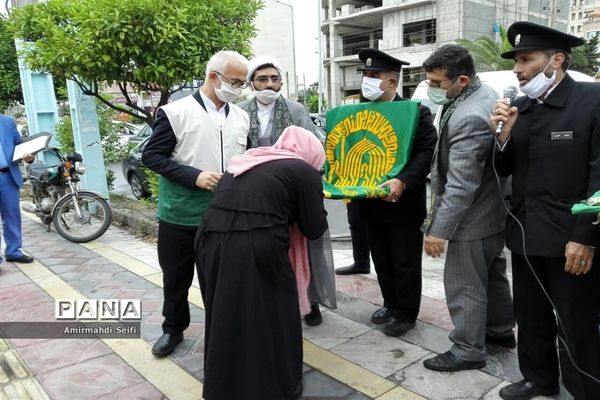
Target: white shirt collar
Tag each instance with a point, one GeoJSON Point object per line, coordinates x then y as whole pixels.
{"type": "Point", "coordinates": [219, 116]}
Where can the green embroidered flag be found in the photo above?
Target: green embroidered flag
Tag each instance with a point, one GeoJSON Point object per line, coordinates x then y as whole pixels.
{"type": "Point", "coordinates": [367, 144]}
{"type": "Point", "coordinates": [591, 205]}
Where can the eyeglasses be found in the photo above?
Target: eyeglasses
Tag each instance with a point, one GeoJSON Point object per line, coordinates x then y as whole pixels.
{"type": "Point", "coordinates": [435, 84]}
{"type": "Point", "coordinates": [265, 79]}
{"type": "Point", "coordinates": [234, 83]}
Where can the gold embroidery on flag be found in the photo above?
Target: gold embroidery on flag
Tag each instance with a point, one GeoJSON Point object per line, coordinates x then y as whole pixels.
{"type": "Point", "coordinates": [370, 158]}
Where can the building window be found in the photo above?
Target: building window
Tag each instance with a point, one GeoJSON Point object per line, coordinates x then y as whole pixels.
{"type": "Point", "coordinates": [353, 44]}
{"type": "Point", "coordinates": [422, 32]}
{"type": "Point", "coordinates": [579, 29]}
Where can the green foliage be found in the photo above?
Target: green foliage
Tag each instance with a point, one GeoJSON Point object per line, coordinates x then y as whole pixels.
{"type": "Point", "coordinates": [312, 94]}
{"type": "Point", "coordinates": [486, 52]}
{"type": "Point", "coordinates": [152, 180]}
{"type": "Point", "coordinates": [586, 58]}
{"type": "Point", "coordinates": [140, 45]}
{"type": "Point", "coordinates": [10, 82]}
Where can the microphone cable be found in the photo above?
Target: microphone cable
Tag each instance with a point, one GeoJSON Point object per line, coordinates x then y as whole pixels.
{"type": "Point", "coordinates": [548, 297]}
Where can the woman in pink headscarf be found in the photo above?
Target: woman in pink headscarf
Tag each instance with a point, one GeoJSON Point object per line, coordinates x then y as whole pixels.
{"type": "Point", "coordinates": [253, 337]}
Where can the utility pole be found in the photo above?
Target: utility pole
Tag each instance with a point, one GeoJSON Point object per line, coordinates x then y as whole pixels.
{"type": "Point", "coordinates": [320, 66]}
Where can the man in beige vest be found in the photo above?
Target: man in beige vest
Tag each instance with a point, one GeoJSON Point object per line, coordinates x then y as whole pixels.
{"type": "Point", "coordinates": [192, 142]}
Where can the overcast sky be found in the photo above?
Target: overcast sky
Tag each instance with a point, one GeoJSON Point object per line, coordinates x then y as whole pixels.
{"type": "Point", "coordinates": [306, 21]}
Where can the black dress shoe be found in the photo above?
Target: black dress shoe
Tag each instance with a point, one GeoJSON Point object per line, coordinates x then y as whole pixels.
{"type": "Point", "coordinates": [508, 342]}
{"type": "Point", "coordinates": [353, 269]}
{"type": "Point", "coordinates": [448, 362]}
{"type": "Point", "coordinates": [24, 259]}
{"type": "Point", "coordinates": [313, 318]}
{"type": "Point", "coordinates": [166, 344]}
{"type": "Point", "coordinates": [381, 316]}
{"type": "Point", "coordinates": [397, 328]}
{"type": "Point", "coordinates": [525, 390]}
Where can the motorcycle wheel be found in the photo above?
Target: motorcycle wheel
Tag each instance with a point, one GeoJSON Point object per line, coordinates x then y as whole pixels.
{"type": "Point", "coordinates": [96, 217]}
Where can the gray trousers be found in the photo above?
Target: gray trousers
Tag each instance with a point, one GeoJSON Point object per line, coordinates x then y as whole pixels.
{"type": "Point", "coordinates": [478, 295]}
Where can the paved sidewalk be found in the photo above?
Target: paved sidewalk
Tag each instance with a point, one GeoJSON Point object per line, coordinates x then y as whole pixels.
{"type": "Point", "coordinates": [346, 357]}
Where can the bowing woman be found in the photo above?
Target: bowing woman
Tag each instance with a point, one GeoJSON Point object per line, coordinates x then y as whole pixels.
{"type": "Point", "coordinates": [253, 268]}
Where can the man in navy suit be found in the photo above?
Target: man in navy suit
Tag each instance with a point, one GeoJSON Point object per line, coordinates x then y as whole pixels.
{"type": "Point", "coordinates": [10, 184]}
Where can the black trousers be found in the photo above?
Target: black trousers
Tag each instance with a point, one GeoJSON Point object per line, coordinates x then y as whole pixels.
{"type": "Point", "coordinates": [176, 258]}
{"type": "Point", "coordinates": [358, 234]}
{"type": "Point", "coordinates": [577, 301]}
{"type": "Point", "coordinates": [397, 256]}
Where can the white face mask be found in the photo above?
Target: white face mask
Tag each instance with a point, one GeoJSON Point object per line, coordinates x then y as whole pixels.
{"type": "Point", "coordinates": [370, 88]}
{"type": "Point", "coordinates": [227, 93]}
{"type": "Point", "coordinates": [266, 96]}
{"type": "Point", "coordinates": [539, 84]}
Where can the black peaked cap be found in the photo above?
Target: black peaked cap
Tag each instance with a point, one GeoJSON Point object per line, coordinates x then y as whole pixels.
{"type": "Point", "coordinates": [377, 60]}
{"type": "Point", "coordinates": [524, 35]}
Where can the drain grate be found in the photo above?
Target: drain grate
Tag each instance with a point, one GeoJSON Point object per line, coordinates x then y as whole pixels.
{"type": "Point", "coordinates": [16, 382]}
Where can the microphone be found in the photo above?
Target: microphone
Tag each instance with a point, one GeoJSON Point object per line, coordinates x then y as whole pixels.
{"type": "Point", "coordinates": [508, 95]}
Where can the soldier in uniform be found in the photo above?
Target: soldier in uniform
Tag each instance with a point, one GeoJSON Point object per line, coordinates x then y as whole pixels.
{"type": "Point", "coordinates": [393, 223]}
{"type": "Point", "coordinates": [550, 144]}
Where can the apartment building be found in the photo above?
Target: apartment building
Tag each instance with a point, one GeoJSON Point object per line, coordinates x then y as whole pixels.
{"type": "Point", "coordinates": [411, 30]}
{"type": "Point", "coordinates": [585, 18]}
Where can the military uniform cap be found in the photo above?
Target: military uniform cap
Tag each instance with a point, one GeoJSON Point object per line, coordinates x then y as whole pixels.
{"type": "Point", "coordinates": [377, 60]}
{"type": "Point", "coordinates": [524, 35]}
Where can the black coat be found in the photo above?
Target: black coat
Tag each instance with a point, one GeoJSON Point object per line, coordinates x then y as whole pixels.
{"type": "Point", "coordinates": [554, 158]}
{"type": "Point", "coordinates": [410, 207]}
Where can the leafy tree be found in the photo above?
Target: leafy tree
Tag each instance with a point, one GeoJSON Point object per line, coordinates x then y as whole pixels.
{"type": "Point", "coordinates": [10, 83]}
{"type": "Point", "coordinates": [586, 58]}
{"type": "Point", "coordinates": [138, 45]}
{"type": "Point", "coordinates": [487, 53]}
{"type": "Point", "coordinates": [312, 98]}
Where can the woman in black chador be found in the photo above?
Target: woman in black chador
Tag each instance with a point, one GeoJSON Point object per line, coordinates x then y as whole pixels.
{"type": "Point", "coordinates": [253, 337]}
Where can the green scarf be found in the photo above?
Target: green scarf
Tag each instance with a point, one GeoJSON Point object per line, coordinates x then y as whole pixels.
{"type": "Point", "coordinates": [281, 120]}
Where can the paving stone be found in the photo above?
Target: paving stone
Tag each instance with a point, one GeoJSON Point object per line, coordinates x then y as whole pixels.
{"type": "Point", "coordinates": [503, 363]}
{"type": "Point", "coordinates": [84, 286]}
{"type": "Point", "coordinates": [184, 348]}
{"type": "Point", "coordinates": [152, 294]}
{"type": "Point", "coordinates": [142, 390]}
{"type": "Point", "coordinates": [316, 385]}
{"type": "Point", "coordinates": [355, 309]}
{"type": "Point", "coordinates": [141, 284]}
{"type": "Point", "coordinates": [110, 268]}
{"type": "Point", "coordinates": [334, 330]}
{"type": "Point", "coordinates": [194, 364]}
{"type": "Point", "coordinates": [54, 354]}
{"type": "Point", "coordinates": [429, 337]}
{"type": "Point", "coordinates": [101, 376]}
{"type": "Point", "coordinates": [197, 314]}
{"type": "Point", "coordinates": [101, 293]}
{"type": "Point", "coordinates": [381, 354]}
{"type": "Point", "coordinates": [467, 385]}
{"type": "Point", "coordinates": [12, 277]}
{"type": "Point", "coordinates": [151, 332]}
{"type": "Point", "coordinates": [63, 268]}
{"type": "Point", "coordinates": [357, 396]}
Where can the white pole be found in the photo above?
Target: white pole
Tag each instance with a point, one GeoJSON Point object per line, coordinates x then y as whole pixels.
{"type": "Point", "coordinates": [320, 66]}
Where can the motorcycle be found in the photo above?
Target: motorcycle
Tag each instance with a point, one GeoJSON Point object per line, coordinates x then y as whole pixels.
{"type": "Point", "coordinates": [77, 215]}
